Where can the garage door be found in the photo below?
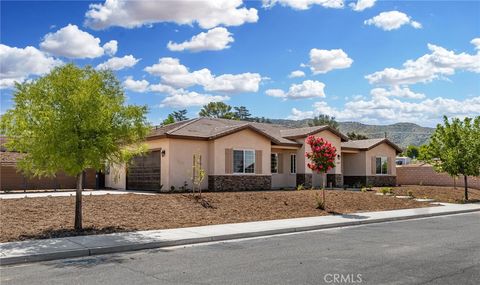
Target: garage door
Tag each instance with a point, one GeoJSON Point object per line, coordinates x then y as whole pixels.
{"type": "Point", "coordinates": [143, 173]}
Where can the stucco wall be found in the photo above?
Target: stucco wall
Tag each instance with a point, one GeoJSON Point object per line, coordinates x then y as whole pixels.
{"type": "Point", "coordinates": [354, 164]}
{"type": "Point", "coordinates": [285, 179]}
{"type": "Point", "coordinates": [245, 139]}
{"type": "Point", "coordinates": [181, 162]}
{"type": "Point", "coordinates": [381, 150]}
{"type": "Point", "coordinates": [116, 177]}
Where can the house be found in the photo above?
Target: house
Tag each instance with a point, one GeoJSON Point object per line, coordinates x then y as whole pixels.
{"type": "Point", "coordinates": [369, 162]}
{"type": "Point", "coordinates": [240, 155]}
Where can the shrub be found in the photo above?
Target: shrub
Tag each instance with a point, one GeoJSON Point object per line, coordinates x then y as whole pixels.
{"type": "Point", "coordinates": [319, 201]}
{"type": "Point", "coordinates": [410, 193]}
{"type": "Point", "coordinates": [300, 187]}
{"type": "Point", "coordinates": [172, 188]}
{"type": "Point", "coordinates": [364, 189]}
{"type": "Point", "coordinates": [386, 190]}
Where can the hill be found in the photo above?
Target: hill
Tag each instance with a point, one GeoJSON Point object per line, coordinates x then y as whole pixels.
{"type": "Point", "coordinates": [403, 134]}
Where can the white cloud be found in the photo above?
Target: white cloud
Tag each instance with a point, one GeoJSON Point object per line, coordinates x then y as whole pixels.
{"type": "Point", "coordinates": [304, 4]}
{"type": "Point", "coordinates": [18, 64]}
{"type": "Point", "coordinates": [279, 93]}
{"type": "Point", "coordinates": [136, 85]}
{"type": "Point", "coordinates": [131, 14]}
{"type": "Point", "coordinates": [296, 73]}
{"type": "Point", "coordinates": [307, 89]}
{"type": "Point", "coordinates": [323, 61]}
{"type": "Point", "coordinates": [392, 20]}
{"type": "Point", "coordinates": [111, 47]}
{"type": "Point", "coordinates": [72, 42]}
{"type": "Point", "coordinates": [176, 98]}
{"type": "Point", "coordinates": [362, 5]}
{"type": "Point", "coordinates": [234, 83]}
{"type": "Point", "coordinates": [476, 43]}
{"type": "Point", "coordinates": [173, 73]}
{"type": "Point", "coordinates": [396, 92]}
{"type": "Point", "coordinates": [439, 63]}
{"type": "Point", "coordinates": [382, 110]}
{"type": "Point", "coordinates": [215, 39]}
{"type": "Point", "coordinates": [118, 63]}
{"type": "Point", "coordinates": [184, 99]}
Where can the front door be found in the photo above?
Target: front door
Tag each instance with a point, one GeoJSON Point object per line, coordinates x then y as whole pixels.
{"type": "Point", "coordinates": [143, 173]}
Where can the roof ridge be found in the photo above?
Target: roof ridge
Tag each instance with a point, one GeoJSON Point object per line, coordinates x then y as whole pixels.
{"type": "Point", "coordinates": [182, 126]}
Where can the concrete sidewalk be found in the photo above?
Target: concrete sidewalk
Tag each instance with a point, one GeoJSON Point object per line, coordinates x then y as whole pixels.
{"type": "Point", "coordinates": [58, 248]}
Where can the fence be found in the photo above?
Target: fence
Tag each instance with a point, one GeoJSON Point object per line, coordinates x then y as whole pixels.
{"type": "Point", "coordinates": [424, 174]}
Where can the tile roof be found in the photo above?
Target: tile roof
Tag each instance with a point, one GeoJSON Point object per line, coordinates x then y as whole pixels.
{"type": "Point", "coordinates": [369, 144]}
{"type": "Point", "coordinates": [211, 128]}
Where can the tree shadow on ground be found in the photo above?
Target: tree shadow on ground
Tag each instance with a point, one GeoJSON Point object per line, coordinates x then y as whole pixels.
{"type": "Point", "coordinates": [70, 232]}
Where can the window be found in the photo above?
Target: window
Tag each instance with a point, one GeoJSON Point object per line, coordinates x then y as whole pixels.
{"type": "Point", "coordinates": [274, 162]}
{"type": "Point", "coordinates": [244, 161]}
{"type": "Point", "coordinates": [381, 165]}
{"type": "Point", "coordinates": [293, 163]}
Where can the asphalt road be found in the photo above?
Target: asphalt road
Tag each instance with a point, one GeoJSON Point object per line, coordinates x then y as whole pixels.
{"type": "Point", "coordinates": [441, 250]}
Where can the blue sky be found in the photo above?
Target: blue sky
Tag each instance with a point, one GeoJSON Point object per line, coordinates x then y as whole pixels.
{"type": "Point", "coordinates": [369, 61]}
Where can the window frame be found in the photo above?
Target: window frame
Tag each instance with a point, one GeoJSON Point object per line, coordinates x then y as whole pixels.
{"type": "Point", "coordinates": [383, 160]}
{"type": "Point", "coordinates": [294, 156]}
{"type": "Point", "coordinates": [271, 164]}
{"type": "Point", "coordinates": [243, 158]}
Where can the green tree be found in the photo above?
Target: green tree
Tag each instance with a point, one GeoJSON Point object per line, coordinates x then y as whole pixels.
{"type": "Point", "coordinates": [454, 148]}
{"type": "Point", "coordinates": [322, 120]}
{"type": "Point", "coordinates": [71, 120]}
{"type": "Point", "coordinates": [217, 110]}
{"type": "Point", "coordinates": [412, 151]}
{"type": "Point", "coordinates": [242, 113]}
{"type": "Point", "coordinates": [355, 136]}
{"type": "Point", "coordinates": [180, 115]}
{"type": "Point", "coordinates": [169, 120]}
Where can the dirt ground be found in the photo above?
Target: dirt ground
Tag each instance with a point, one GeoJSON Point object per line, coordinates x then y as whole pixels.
{"type": "Point", "coordinates": [440, 194]}
{"type": "Point", "coordinates": [30, 218]}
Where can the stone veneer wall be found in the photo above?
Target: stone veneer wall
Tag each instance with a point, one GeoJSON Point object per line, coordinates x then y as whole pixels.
{"type": "Point", "coordinates": [335, 179]}
{"type": "Point", "coordinates": [304, 179]}
{"type": "Point", "coordinates": [239, 182]}
{"type": "Point", "coordinates": [382, 180]}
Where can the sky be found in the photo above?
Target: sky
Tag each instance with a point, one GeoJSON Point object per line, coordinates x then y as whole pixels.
{"type": "Point", "coordinates": [375, 62]}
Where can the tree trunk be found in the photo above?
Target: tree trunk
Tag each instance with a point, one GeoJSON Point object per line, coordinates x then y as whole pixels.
{"type": "Point", "coordinates": [466, 187]}
{"type": "Point", "coordinates": [324, 182]}
{"type": "Point", "coordinates": [78, 202]}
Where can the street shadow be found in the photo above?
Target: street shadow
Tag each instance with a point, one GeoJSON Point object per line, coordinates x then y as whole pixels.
{"type": "Point", "coordinates": [59, 233]}
{"type": "Point", "coordinates": [348, 216]}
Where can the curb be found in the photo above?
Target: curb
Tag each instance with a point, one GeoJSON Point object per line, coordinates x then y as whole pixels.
{"type": "Point", "coordinates": [160, 244]}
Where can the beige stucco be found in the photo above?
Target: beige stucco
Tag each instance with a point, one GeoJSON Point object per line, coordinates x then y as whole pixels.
{"type": "Point", "coordinates": [354, 164]}
{"type": "Point", "coordinates": [116, 177]}
{"type": "Point", "coordinates": [381, 150]}
{"type": "Point", "coordinates": [360, 164]}
{"type": "Point", "coordinates": [286, 179]}
{"type": "Point", "coordinates": [245, 139]}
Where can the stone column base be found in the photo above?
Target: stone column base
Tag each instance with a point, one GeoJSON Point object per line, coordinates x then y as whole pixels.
{"type": "Point", "coordinates": [239, 182]}
{"type": "Point", "coordinates": [304, 179]}
{"type": "Point", "coordinates": [335, 179]}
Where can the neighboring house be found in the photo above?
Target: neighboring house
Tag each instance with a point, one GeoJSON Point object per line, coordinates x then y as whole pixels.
{"type": "Point", "coordinates": [369, 162]}
{"type": "Point", "coordinates": [240, 155]}
{"type": "Point", "coordinates": [13, 179]}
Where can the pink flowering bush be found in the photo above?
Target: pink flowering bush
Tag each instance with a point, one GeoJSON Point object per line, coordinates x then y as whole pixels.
{"type": "Point", "coordinates": [323, 154]}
